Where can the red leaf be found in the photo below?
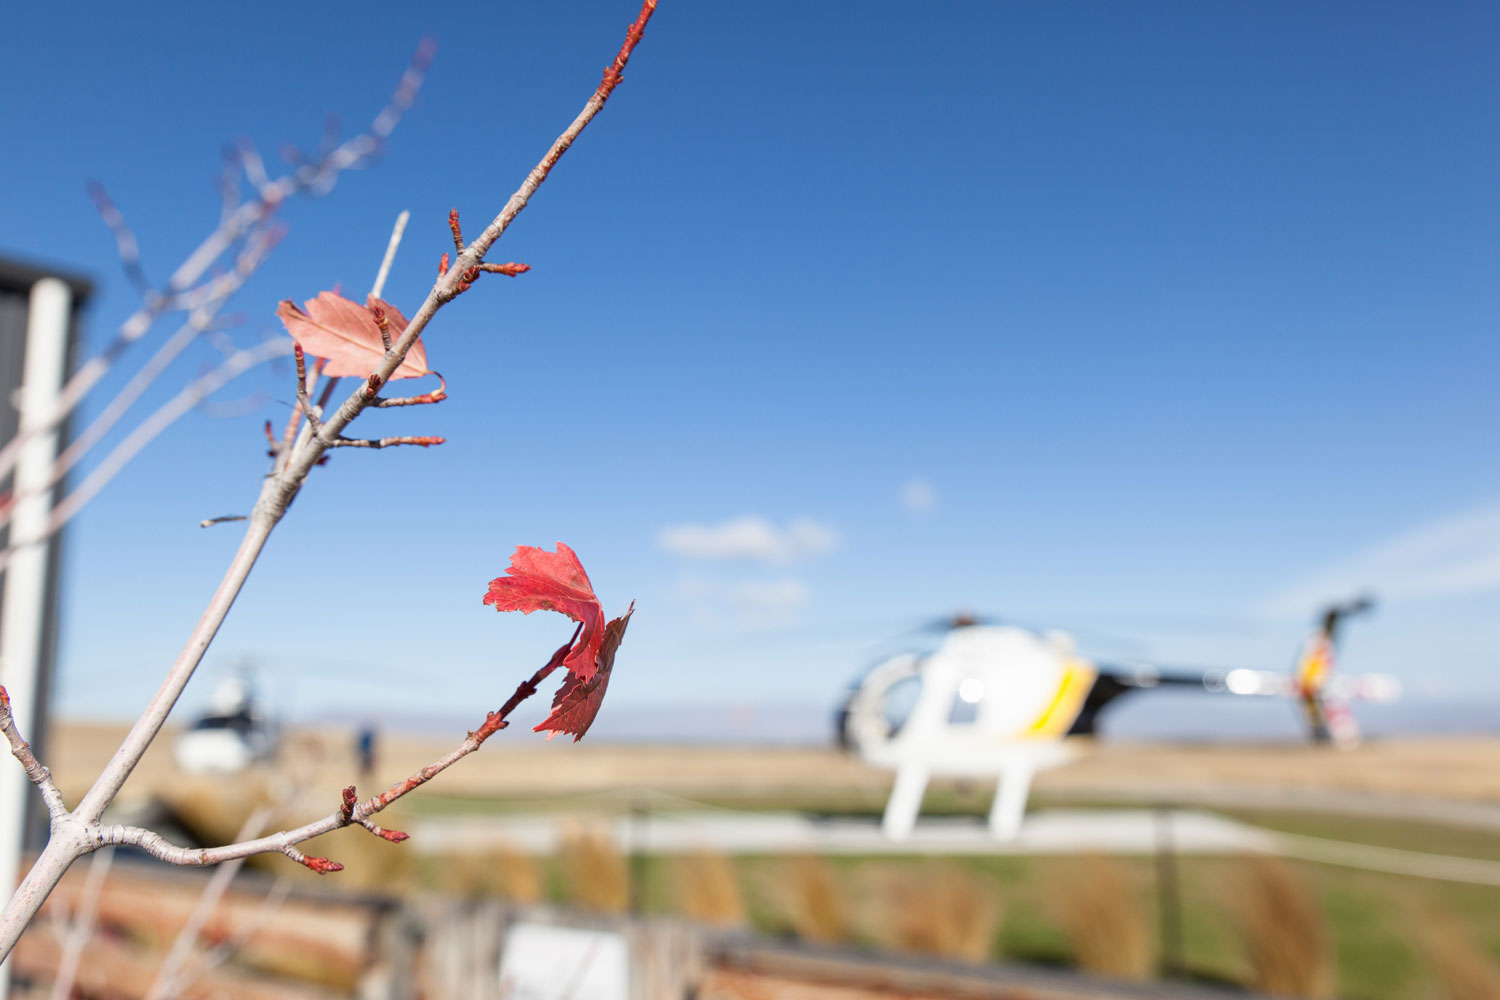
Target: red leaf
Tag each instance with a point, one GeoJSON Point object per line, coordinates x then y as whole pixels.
{"type": "Point", "coordinates": [539, 580]}
{"type": "Point", "coordinates": [345, 333]}
{"type": "Point", "coordinates": [578, 700]}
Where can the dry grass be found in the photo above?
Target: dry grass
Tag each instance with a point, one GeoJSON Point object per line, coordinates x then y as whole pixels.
{"type": "Point", "coordinates": [938, 910]}
{"type": "Point", "coordinates": [597, 876]}
{"type": "Point", "coordinates": [1282, 930]}
{"type": "Point", "coordinates": [498, 871]}
{"type": "Point", "coordinates": [812, 901]}
{"type": "Point", "coordinates": [1102, 915]}
{"type": "Point", "coordinates": [1461, 971]}
{"type": "Point", "coordinates": [708, 890]}
{"type": "Point", "coordinates": [1459, 768]}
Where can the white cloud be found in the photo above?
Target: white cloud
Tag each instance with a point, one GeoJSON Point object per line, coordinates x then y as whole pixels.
{"type": "Point", "coordinates": [750, 538]}
{"type": "Point", "coordinates": [1459, 554]}
{"type": "Point", "coordinates": [747, 603]}
{"type": "Point", "coordinates": [918, 496]}
{"type": "Point", "coordinates": [770, 602]}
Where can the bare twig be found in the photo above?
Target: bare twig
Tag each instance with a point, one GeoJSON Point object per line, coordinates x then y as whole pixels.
{"type": "Point", "coordinates": [187, 937]}
{"type": "Point", "coordinates": [220, 952]}
{"type": "Point", "coordinates": [385, 442]}
{"type": "Point", "coordinates": [199, 320]}
{"type": "Point", "coordinates": [148, 430]}
{"type": "Point", "coordinates": [229, 184]}
{"type": "Point", "coordinates": [82, 928]}
{"type": "Point", "coordinates": [309, 412]}
{"type": "Point", "coordinates": [390, 253]}
{"type": "Point", "coordinates": [511, 269]}
{"type": "Point", "coordinates": [209, 522]}
{"type": "Point", "coordinates": [458, 233]}
{"type": "Point", "coordinates": [314, 177]}
{"type": "Point", "coordinates": [435, 396]}
{"type": "Point", "coordinates": [349, 812]}
{"type": "Point", "coordinates": [21, 750]}
{"type": "Point", "coordinates": [125, 244]}
{"type": "Point", "coordinates": [230, 409]}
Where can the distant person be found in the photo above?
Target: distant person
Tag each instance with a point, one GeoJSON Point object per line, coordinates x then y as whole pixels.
{"type": "Point", "coordinates": [364, 745]}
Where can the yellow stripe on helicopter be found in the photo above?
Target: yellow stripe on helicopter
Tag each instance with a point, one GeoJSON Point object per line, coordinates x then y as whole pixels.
{"type": "Point", "coordinates": [1057, 718]}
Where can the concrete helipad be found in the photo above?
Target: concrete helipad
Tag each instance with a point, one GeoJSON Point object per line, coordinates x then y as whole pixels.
{"type": "Point", "coordinates": [1053, 831]}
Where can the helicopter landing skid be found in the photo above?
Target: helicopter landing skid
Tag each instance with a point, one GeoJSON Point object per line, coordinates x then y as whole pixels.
{"type": "Point", "coordinates": [1014, 764]}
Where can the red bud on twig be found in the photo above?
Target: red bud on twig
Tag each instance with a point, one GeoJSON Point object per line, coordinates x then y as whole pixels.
{"type": "Point", "coordinates": [394, 836]}
{"type": "Point", "coordinates": [613, 73]}
{"type": "Point", "coordinates": [510, 270]}
{"type": "Point", "coordinates": [381, 324]}
{"type": "Point", "coordinates": [458, 234]}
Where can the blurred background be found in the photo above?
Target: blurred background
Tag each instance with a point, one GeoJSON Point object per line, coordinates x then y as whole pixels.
{"type": "Point", "coordinates": [1139, 335]}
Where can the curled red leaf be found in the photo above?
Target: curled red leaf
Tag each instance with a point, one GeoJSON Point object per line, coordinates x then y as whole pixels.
{"type": "Point", "coordinates": [538, 580]}
{"type": "Point", "coordinates": [577, 702]}
{"type": "Point", "coordinates": [346, 334]}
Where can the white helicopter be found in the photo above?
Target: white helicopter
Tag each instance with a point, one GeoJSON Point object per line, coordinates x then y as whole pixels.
{"type": "Point", "coordinates": [998, 700]}
{"type": "Point", "coordinates": [230, 736]}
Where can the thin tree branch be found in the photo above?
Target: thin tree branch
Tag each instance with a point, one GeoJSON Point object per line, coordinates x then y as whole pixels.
{"type": "Point", "coordinates": [349, 812]}
{"type": "Point", "coordinates": [208, 901]}
{"type": "Point", "coordinates": [229, 184]}
{"type": "Point", "coordinates": [148, 430]}
{"type": "Point", "coordinates": [82, 928]}
{"type": "Point", "coordinates": [79, 832]}
{"type": "Point", "coordinates": [385, 442]}
{"type": "Point", "coordinates": [304, 405]}
{"type": "Point", "coordinates": [200, 320]}
{"type": "Point", "coordinates": [467, 264]}
{"type": "Point", "coordinates": [21, 750]}
{"type": "Point", "coordinates": [220, 952]}
{"type": "Point", "coordinates": [612, 77]}
{"type": "Point", "coordinates": [231, 409]}
{"type": "Point", "coordinates": [125, 244]}
{"type": "Point", "coordinates": [390, 253]}
{"type": "Point", "coordinates": [435, 396]}
{"type": "Point", "coordinates": [244, 219]}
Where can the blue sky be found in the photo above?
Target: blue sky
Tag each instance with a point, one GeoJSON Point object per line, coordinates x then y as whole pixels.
{"type": "Point", "coordinates": [1160, 321]}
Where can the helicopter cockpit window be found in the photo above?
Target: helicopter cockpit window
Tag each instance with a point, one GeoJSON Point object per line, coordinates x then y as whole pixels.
{"type": "Point", "coordinates": [239, 723]}
{"type": "Point", "coordinates": [965, 708]}
{"type": "Point", "coordinates": [900, 699]}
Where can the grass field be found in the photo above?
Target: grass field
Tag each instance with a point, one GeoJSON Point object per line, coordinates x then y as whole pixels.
{"type": "Point", "coordinates": [1378, 936]}
{"type": "Point", "coordinates": [1378, 926]}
